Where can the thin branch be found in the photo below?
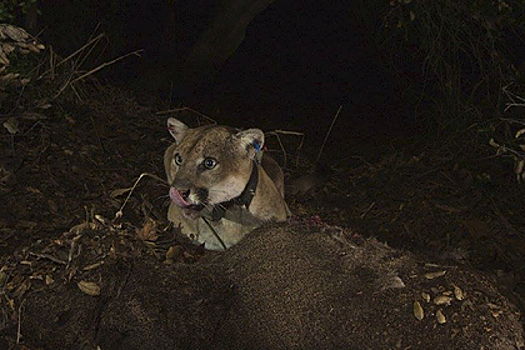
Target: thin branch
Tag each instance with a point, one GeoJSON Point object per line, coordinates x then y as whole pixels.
{"type": "Point", "coordinates": [119, 213]}
{"type": "Point", "coordinates": [328, 133]}
{"type": "Point", "coordinates": [49, 257]}
{"type": "Point", "coordinates": [97, 38]}
{"type": "Point", "coordinates": [105, 64]}
{"type": "Point", "coordinates": [18, 330]}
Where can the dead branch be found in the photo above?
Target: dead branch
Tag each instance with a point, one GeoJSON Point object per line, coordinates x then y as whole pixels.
{"type": "Point", "coordinates": [105, 64]}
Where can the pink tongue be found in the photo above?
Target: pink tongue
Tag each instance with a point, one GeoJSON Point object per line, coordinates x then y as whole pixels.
{"type": "Point", "coordinates": [177, 198]}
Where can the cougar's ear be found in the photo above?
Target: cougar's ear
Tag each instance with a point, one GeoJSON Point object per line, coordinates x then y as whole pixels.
{"type": "Point", "coordinates": [252, 140]}
{"type": "Point", "coordinates": [177, 129]}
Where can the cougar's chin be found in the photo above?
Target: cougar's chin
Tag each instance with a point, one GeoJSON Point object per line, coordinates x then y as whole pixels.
{"type": "Point", "coordinates": [191, 213]}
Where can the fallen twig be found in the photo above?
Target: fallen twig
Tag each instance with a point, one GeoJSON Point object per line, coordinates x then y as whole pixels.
{"type": "Point", "coordinates": [276, 133]}
{"type": "Point", "coordinates": [367, 210]}
{"type": "Point", "coordinates": [119, 213]}
{"type": "Point", "coordinates": [49, 257]}
{"type": "Point", "coordinates": [328, 133]}
{"type": "Point", "coordinates": [18, 331]}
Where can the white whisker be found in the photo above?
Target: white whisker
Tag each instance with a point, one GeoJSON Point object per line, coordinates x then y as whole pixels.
{"type": "Point", "coordinates": [208, 206]}
{"type": "Point", "coordinates": [220, 205]}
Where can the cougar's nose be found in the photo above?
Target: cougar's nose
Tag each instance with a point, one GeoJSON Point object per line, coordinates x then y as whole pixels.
{"type": "Point", "coordinates": [182, 185]}
{"type": "Point", "coordinates": [202, 194]}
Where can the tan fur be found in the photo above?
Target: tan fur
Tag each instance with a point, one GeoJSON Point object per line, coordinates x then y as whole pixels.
{"type": "Point", "coordinates": [234, 153]}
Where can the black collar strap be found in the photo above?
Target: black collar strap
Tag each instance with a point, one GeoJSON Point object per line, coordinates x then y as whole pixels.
{"type": "Point", "coordinates": [244, 199]}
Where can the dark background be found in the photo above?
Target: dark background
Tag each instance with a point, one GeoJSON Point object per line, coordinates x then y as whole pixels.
{"type": "Point", "coordinates": [298, 63]}
{"type": "Point", "coordinates": [301, 60]}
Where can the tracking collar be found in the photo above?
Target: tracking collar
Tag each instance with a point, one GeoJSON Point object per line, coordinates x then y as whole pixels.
{"type": "Point", "coordinates": [244, 199]}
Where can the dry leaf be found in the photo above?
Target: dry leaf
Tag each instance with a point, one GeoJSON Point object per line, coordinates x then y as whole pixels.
{"type": "Point", "coordinates": [458, 293]}
{"type": "Point", "coordinates": [33, 190]}
{"type": "Point", "coordinates": [12, 125]}
{"type": "Point", "coordinates": [11, 304]}
{"type": "Point", "coordinates": [148, 232]}
{"type": "Point", "coordinates": [432, 275]}
{"type": "Point", "coordinates": [44, 106]}
{"type": "Point", "coordinates": [519, 133]}
{"type": "Point", "coordinates": [440, 317]}
{"type": "Point", "coordinates": [49, 280]}
{"type": "Point", "coordinates": [101, 219]}
{"type": "Point", "coordinates": [3, 278]}
{"type": "Point", "coordinates": [174, 252]}
{"type": "Point", "coordinates": [90, 288]}
{"type": "Point", "coordinates": [86, 226]}
{"type": "Point", "coordinates": [442, 300]}
{"type": "Point", "coordinates": [94, 266]}
{"type": "Point", "coordinates": [418, 311]}
{"type": "Point", "coordinates": [3, 59]}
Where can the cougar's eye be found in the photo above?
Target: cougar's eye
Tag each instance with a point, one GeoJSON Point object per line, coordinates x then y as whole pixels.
{"type": "Point", "coordinates": [209, 163]}
{"type": "Point", "coordinates": [177, 159]}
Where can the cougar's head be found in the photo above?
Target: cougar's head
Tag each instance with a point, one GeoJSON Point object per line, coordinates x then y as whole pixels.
{"type": "Point", "coordinates": [209, 165]}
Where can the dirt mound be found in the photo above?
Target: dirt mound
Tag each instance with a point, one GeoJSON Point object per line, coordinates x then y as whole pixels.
{"type": "Point", "coordinates": [293, 286]}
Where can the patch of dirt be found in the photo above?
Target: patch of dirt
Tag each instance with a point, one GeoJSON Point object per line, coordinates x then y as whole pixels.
{"type": "Point", "coordinates": [297, 285]}
{"type": "Point", "coordinates": [64, 168]}
{"type": "Point", "coordinates": [453, 199]}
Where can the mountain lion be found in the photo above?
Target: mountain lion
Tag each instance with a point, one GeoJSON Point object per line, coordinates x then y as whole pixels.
{"type": "Point", "coordinates": [222, 185]}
